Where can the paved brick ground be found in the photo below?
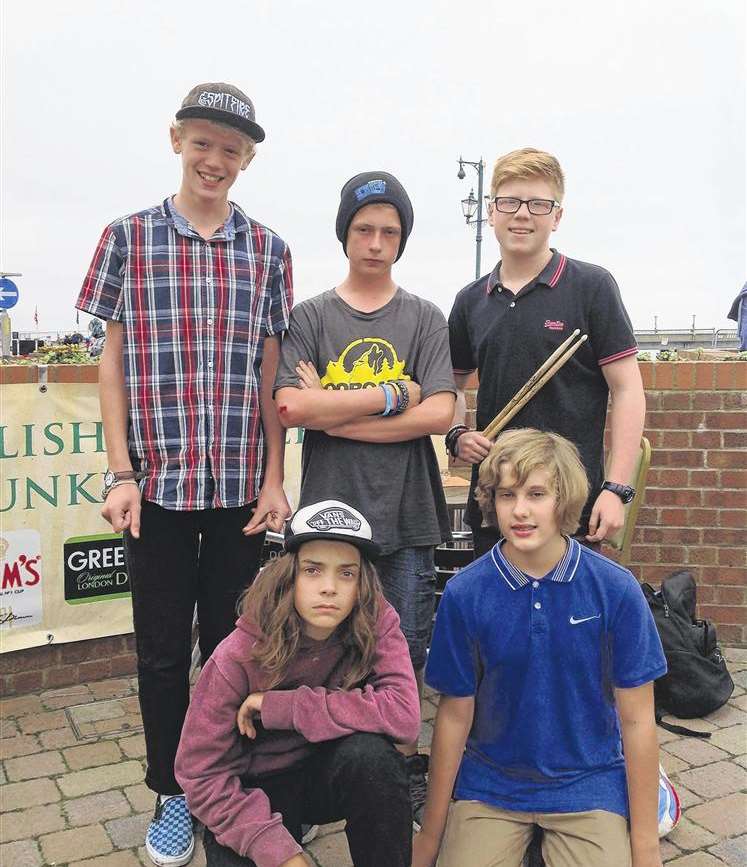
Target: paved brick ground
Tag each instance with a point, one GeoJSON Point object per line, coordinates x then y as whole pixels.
{"type": "Point", "coordinates": [71, 765]}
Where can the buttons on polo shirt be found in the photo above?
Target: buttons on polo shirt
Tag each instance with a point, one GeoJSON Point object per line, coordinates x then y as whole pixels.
{"type": "Point", "coordinates": [209, 281]}
{"type": "Point", "coordinates": [210, 320]}
{"type": "Point", "coordinates": [538, 605]}
{"type": "Point", "coordinates": [535, 584]}
{"type": "Point", "coordinates": [512, 304]}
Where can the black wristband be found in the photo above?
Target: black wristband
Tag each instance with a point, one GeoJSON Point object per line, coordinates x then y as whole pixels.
{"type": "Point", "coordinates": [452, 437]}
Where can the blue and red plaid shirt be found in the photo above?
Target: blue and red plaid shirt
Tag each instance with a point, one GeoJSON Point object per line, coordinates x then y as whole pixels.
{"type": "Point", "coordinates": [195, 316]}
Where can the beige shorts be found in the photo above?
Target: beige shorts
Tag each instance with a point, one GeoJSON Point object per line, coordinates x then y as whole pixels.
{"type": "Point", "coordinates": [478, 835]}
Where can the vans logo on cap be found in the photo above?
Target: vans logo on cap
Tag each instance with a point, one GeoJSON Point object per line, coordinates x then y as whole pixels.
{"type": "Point", "coordinates": [372, 188]}
{"type": "Point", "coordinates": [334, 519]}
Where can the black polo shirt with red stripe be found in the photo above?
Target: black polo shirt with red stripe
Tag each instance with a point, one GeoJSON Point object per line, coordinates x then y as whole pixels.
{"type": "Point", "coordinates": [507, 336]}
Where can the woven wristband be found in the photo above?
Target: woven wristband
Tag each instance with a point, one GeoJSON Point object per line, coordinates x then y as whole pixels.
{"type": "Point", "coordinates": [404, 402]}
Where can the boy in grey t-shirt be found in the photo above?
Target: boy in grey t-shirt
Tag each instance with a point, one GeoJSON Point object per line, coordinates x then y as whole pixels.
{"type": "Point", "coordinates": [365, 368]}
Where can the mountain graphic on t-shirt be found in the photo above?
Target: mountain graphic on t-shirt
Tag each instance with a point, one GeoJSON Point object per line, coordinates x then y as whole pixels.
{"type": "Point", "coordinates": [367, 361]}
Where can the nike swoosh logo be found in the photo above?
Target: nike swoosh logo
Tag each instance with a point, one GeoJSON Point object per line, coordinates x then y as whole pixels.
{"type": "Point", "coordinates": [574, 622]}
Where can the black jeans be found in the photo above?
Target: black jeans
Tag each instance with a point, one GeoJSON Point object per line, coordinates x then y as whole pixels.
{"type": "Point", "coordinates": [360, 778]}
{"type": "Point", "coordinates": [180, 559]}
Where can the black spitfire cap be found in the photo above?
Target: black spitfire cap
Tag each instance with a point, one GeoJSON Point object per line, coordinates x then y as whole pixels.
{"type": "Point", "coordinates": [224, 103]}
{"type": "Point", "coordinates": [331, 520]}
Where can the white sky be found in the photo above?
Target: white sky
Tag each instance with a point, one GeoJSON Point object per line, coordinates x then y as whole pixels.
{"type": "Point", "coordinates": [643, 103]}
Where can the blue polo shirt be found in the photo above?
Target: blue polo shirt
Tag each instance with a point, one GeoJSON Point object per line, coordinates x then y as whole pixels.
{"type": "Point", "coordinates": [542, 657]}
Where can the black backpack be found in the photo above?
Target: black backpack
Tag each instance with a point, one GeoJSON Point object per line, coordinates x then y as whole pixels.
{"type": "Point", "coordinates": [697, 681]}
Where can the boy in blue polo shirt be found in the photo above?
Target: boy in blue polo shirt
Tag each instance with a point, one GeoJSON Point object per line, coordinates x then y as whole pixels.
{"type": "Point", "coordinates": [544, 653]}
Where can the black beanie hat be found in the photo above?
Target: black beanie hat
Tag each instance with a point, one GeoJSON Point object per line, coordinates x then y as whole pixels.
{"type": "Point", "coordinates": [373, 188]}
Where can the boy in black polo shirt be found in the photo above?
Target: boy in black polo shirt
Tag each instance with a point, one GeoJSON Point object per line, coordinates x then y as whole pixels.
{"type": "Point", "coordinates": [506, 324]}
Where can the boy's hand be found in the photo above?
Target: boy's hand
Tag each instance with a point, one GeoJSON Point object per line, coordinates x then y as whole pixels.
{"type": "Point", "coordinates": [424, 850]}
{"type": "Point", "coordinates": [271, 511]}
{"type": "Point", "coordinates": [122, 509]}
{"type": "Point", "coordinates": [251, 707]}
{"type": "Point", "coordinates": [650, 858]}
{"type": "Point", "coordinates": [473, 447]}
{"type": "Point", "coordinates": [607, 516]}
{"type": "Point", "coordinates": [296, 861]}
{"type": "Point", "coordinates": [307, 375]}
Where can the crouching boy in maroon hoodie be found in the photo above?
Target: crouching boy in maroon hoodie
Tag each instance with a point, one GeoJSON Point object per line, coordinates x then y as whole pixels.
{"type": "Point", "coordinates": [296, 713]}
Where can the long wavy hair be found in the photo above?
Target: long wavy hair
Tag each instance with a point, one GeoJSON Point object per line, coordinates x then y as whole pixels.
{"type": "Point", "coordinates": [268, 602]}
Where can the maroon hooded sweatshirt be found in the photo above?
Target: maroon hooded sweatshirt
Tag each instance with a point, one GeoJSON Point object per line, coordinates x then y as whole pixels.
{"type": "Point", "coordinates": [308, 706]}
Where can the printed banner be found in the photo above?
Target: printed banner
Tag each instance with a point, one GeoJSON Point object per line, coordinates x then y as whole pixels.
{"type": "Point", "coordinates": [64, 576]}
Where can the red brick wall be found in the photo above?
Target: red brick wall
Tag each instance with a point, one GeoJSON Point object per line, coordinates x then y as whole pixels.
{"type": "Point", "coordinates": [695, 510]}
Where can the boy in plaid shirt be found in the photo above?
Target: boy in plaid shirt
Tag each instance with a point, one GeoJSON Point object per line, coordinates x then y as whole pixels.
{"type": "Point", "coordinates": [196, 295]}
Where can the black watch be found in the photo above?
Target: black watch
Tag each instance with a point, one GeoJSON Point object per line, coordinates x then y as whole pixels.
{"type": "Point", "coordinates": [624, 492]}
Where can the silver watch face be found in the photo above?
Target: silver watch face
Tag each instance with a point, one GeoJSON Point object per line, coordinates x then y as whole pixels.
{"type": "Point", "coordinates": [109, 478]}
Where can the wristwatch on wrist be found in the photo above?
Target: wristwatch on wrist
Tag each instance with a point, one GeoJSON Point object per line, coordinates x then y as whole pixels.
{"type": "Point", "coordinates": [111, 478]}
{"type": "Point", "coordinates": [624, 492]}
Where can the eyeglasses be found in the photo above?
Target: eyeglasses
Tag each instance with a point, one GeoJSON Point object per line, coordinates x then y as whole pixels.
{"type": "Point", "coordinates": [510, 205]}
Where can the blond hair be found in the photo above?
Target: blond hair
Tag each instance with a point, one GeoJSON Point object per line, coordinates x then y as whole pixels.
{"type": "Point", "coordinates": [528, 163]}
{"type": "Point", "coordinates": [251, 146]}
{"type": "Point", "coordinates": [269, 603]}
{"type": "Point", "coordinates": [525, 450]}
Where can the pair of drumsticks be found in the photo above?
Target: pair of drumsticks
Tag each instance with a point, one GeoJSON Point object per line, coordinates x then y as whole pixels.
{"type": "Point", "coordinates": [535, 382]}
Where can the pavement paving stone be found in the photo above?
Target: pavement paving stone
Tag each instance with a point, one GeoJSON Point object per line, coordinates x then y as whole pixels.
{"type": "Point", "coordinates": [671, 764]}
{"type": "Point", "coordinates": [21, 745]}
{"type": "Point", "coordinates": [42, 722]}
{"type": "Point", "coordinates": [8, 728]}
{"type": "Point", "coordinates": [695, 751]}
{"type": "Point", "coordinates": [56, 739]}
{"type": "Point", "coordinates": [31, 823]}
{"type": "Point", "coordinates": [697, 859]}
{"type": "Point", "coordinates": [115, 859]}
{"type": "Point", "coordinates": [101, 806]}
{"type": "Point", "coordinates": [92, 755]}
{"type": "Point", "coordinates": [130, 830]}
{"type": "Point", "coordinates": [732, 852]}
{"type": "Point", "coordinates": [740, 678]}
{"type": "Point", "coordinates": [75, 844]}
{"type": "Point", "coordinates": [20, 706]}
{"type": "Point", "coordinates": [23, 853]}
{"type": "Point", "coordinates": [668, 850]}
{"type": "Point", "coordinates": [100, 779]}
{"type": "Point", "coordinates": [690, 837]}
{"type": "Point", "coordinates": [740, 701]}
{"type": "Point", "coordinates": [728, 715]}
{"type": "Point", "coordinates": [17, 796]}
{"type": "Point", "coordinates": [735, 655]}
{"type": "Point", "coordinates": [3, 778]}
{"type": "Point", "coordinates": [741, 760]}
{"type": "Point", "coordinates": [133, 747]}
{"type": "Point", "coordinates": [725, 817]}
{"type": "Point", "coordinates": [687, 798]}
{"type": "Point", "coordinates": [39, 765]}
{"type": "Point", "coordinates": [115, 687]}
{"type": "Point", "coordinates": [141, 798]}
{"type": "Point", "coordinates": [95, 711]}
{"type": "Point", "coordinates": [331, 850]}
{"type": "Point", "coordinates": [732, 739]}
{"type": "Point", "coordinates": [716, 780]}
{"type": "Point", "coordinates": [54, 699]}
{"type": "Point", "coordinates": [115, 726]}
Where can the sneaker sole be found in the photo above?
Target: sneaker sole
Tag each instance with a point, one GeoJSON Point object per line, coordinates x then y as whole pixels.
{"type": "Point", "coordinates": [170, 860]}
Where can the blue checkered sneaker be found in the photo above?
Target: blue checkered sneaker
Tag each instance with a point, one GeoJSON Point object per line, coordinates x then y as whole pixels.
{"type": "Point", "coordinates": [170, 840]}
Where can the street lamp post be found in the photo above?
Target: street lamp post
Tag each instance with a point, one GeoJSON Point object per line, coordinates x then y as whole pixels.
{"type": "Point", "coordinates": [470, 205]}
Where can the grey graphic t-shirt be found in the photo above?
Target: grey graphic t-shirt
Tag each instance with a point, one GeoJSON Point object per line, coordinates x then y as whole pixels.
{"type": "Point", "coordinates": [397, 486]}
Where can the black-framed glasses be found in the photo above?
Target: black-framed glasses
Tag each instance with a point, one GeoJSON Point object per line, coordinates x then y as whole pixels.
{"type": "Point", "coordinates": [537, 207]}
